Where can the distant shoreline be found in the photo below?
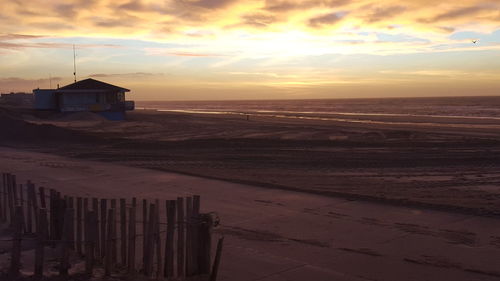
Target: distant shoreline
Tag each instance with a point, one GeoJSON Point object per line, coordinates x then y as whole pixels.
{"type": "Point", "coordinates": [320, 99]}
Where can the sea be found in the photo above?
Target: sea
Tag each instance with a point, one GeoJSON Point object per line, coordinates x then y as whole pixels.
{"type": "Point", "coordinates": [467, 110]}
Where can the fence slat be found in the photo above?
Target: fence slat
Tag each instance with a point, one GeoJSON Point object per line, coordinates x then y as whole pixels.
{"type": "Point", "coordinates": [41, 191]}
{"type": "Point", "coordinates": [205, 243]}
{"type": "Point", "coordinates": [123, 231]}
{"type": "Point", "coordinates": [29, 209]}
{"type": "Point", "coordinates": [51, 214]}
{"type": "Point", "coordinates": [158, 251]}
{"type": "Point", "coordinates": [90, 238]}
{"type": "Point", "coordinates": [113, 228]}
{"type": "Point", "coordinates": [60, 213]}
{"type": "Point", "coordinates": [131, 241]}
{"type": "Point", "coordinates": [195, 235]}
{"type": "Point", "coordinates": [85, 210]}
{"type": "Point", "coordinates": [21, 202]}
{"type": "Point", "coordinates": [2, 196]}
{"type": "Point", "coordinates": [218, 254]}
{"type": "Point", "coordinates": [65, 242]}
{"type": "Point", "coordinates": [34, 203]}
{"type": "Point", "coordinates": [169, 245]}
{"type": "Point", "coordinates": [78, 221]}
{"type": "Point", "coordinates": [14, 189]}
{"type": "Point", "coordinates": [6, 210]}
{"type": "Point", "coordinates": [189, 236]}
{"type": "Point", "coordinates": [149, 248]}
{"type": "Point", "coordinates": [180, 238]}
{"type": "Point", "coordinates": [144, 230]}
{"type": "Point", "coordinates": [15, 262]}
{"type": "Point", "coordinates": [97, 248]}
{"type": "Point", "coordinates": [104, 213]}
{"type": "Point", "coordinates": [11, 200]}
{"type": "Point", "coordinates": [108, 259]}
{"type": "Point", "coordinates": [42, 235]}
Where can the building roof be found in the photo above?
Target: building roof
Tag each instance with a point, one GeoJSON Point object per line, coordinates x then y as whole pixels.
{"type": "Point", "coordinates": [92, 84]}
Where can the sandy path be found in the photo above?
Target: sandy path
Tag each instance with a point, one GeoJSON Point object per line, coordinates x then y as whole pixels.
{"type": "Point", "coordinates": [283, 235]}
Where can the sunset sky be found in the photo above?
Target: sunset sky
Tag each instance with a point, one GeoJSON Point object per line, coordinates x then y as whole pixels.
{"type": "Point", "coordinates": [245, 49]}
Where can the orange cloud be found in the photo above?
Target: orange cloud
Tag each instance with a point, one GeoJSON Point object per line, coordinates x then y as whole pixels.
{"type": "Point", "coordinates": [130, 18]}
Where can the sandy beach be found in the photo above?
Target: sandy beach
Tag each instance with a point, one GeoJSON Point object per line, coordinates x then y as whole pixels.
{"type": "Point", "coordinates": [277, 235]}
{"type": "Point", "coordinates": [436, 166]}
{"type": "Point", "coordinates": [297, 198]}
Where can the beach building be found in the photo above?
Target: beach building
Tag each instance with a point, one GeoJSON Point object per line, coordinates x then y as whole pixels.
{"type": "Point", "coordinates": [85, 95]}
{"type": "Point", "coordinates": [17, 99]}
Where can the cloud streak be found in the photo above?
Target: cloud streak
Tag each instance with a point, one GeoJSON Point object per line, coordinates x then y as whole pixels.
{"type": "Point", "coordinates": [328, 19]}
{"type": "Point", "coordinates": [126, 75]}
{"type": "Point", "coordinates": [23, 41]}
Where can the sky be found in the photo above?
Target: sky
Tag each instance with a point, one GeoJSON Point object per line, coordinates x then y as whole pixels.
{"type": "Point", "coordinates": [255, 49]}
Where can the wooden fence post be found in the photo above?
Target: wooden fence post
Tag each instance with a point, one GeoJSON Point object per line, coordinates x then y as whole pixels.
{"type": "Point", "coordinates": [123, 231]}
{"type": "Point", "coordinates": [6, 210]}
{"type": "Point", "coordinates": [70, 204]}
{"type": "Point", "coordinates": [34, 204]}
{"type": "Point", "coordinates": [15, 262]}
{"type": "Point", "coordinates": [2, 198]}
{"type": "Point", "coordinates": [42, 236]}
{"type": "Point", "coordinates": [195, 235]}
{"type": "Point", "coordinates": [66, 239]}
{"type": "Point", "coordinates": [157, 238]}
{"type": "Point", "coordinates": [113, 249]}
{"type": "Point", "coordinates": [131, 241]}
{"type": "Point", "coordinates": [108, 258]}
{"type": "Point", "coordinates": [85, 210]}
{"type": "Point", "coordinates": [41, 191]}
{"type": "Point", "coordinates": [90, 238]}
{"type": "Point", "coordinates": [79, 226]}
{"type": "Point", "coordinates": [169, 244]}
{"type": "Point", "coordinates": [51, 214]}
{"type": "Point", "coordinates": [189, 236]}
{"type": "Point", "coordinates": [144, 230]}
{"type": "Point", "coordinates": [205, 243]}
{"type": "Point", "coordinates": [21, 202]}
{"type": "Point", "coordinates": [104, 213]}
{"type": "Point", "coordinates": [2, 195]}
{"type": "Point", "coordinates": [29, 209]}
{"type": "Point", "coordinates": [218, 254]}
{"type": "Point", "coordinates": [149, 248]}
{"type": "Point", "coordinates": [97, 249]}
{"type": "Point", "coordinates": [14, 189]}
{"type": "Point", "coordinates": [60, 213]}
{"type": "Point", "coordinates": [12, 205]}
{"type": "Point", "coordinates": [181, 272]}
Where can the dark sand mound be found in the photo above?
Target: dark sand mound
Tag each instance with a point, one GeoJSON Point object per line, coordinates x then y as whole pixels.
{"type": "Point", "coordinates": [81, 116]}
{"type": "Point", "coordinates": [14, 128]}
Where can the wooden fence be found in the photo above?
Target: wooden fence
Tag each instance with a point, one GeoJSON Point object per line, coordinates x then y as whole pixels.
{"type": "Point", "coordinates": [108, 235]}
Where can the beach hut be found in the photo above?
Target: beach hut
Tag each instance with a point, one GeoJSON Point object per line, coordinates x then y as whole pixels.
{"type": "Point", "coordinates": [85, 95]}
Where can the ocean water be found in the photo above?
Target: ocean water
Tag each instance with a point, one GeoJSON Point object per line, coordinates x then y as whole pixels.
{"type": "Point", "coordinates": [469, 110]}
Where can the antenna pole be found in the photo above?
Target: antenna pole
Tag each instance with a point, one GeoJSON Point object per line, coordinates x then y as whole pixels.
{"type": "Point", "coordinates": [74, 62]}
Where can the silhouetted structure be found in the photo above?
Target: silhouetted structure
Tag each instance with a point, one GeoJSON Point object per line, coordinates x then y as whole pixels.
{"type": "Point", "coordinates": [17, 99]}
{"type": "Point", "coordinates": [85, 95]}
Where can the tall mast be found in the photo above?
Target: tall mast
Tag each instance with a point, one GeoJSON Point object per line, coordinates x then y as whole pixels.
{"type": "Point", "coordinates": [74, 62]}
